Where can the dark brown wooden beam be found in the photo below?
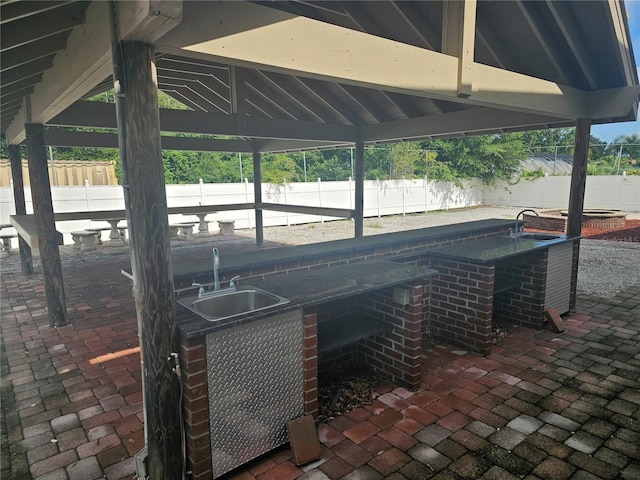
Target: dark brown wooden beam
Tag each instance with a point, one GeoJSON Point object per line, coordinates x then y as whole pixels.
{"type": "Point", "coordinates": [257, 192]}
{"type": "Point", "coordinates": [26, 260]}
{"type": "Point", "coordinates": [308, 210]}
{"type": "Point", "coordinates": [45, 224]}
{"type": "Point", "coordinates": [359, 190]}
{"type": "Point", "coordinates": [146, 207]}
{"type": "Point", "coordinates": [576, 197]}
{"type": "Point", "coordinates": [578, 177]}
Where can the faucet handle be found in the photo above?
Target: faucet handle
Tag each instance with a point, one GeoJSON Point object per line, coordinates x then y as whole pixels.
{"type": "Point", "coordinates": [232, 282]}
{"type": "Point", "coordinates": [200, 289]}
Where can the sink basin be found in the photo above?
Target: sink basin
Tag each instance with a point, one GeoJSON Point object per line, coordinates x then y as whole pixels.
{"type": "Point", "coordinates": [226, 304]}
{"type": "Point", "coordinates": [541, 237]}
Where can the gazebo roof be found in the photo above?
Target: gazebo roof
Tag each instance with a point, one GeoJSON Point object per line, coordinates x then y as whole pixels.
{"type": "Point", "coordinates": [276, 76]}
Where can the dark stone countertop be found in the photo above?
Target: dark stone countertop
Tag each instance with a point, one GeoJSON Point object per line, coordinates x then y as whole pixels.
{"type": "Point", "coordinates": [311, 287]}
{"type": "Point", "coordinates": [490, 250]}
{"type": "Point", "coordinates": [188, 270]}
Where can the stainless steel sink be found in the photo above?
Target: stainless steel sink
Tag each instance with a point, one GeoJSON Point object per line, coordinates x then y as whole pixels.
{"type": "Point", "coordinates": [542, 237]}
{"type": "Point", "coordinates": [227, 304]}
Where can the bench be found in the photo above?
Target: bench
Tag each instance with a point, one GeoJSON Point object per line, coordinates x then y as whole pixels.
{"type": "Point", "coordinates": [6, 243]}
{"type": "Point", "coordinates": [25, 225]}
{"type": "Point", "coordinates": [346, 329]}
{"type": "Point", "coordinates": [84, 240]}
{"type": "Point", "coordinates": [182, 231]}
{"type": "Point", "coordinates": [98, 232]}
{"type": "Point", "coordinates": [226, 226]}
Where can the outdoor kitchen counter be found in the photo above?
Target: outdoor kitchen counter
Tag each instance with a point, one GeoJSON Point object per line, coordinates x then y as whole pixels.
{"type": "Point", "coordinates": [311, 287]}
{"type": "Point", "coordinates": [187, 271]}
{"type": "Point", "coordinates": [490, 250]}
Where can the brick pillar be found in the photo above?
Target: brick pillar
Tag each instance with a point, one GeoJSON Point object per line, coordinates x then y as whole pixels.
{"type": "Point", "coordinates": [196, 407]}
{"type": "Point", "coordinates": [461, 304]}
{"type": "Point", "coordinates": [523, 303]}
{"type": "Point", "coordinates": [412, 348]}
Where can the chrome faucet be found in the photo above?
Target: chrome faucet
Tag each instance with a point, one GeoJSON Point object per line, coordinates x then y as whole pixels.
{"type": "Point", "coordinates": [200, 289]}
{"type": "Point", "coordinates": [521, 212]}
{"type": "Point", "coordinates": [216, 266]}
{"type": "Point", "coordinates": [216, 279]}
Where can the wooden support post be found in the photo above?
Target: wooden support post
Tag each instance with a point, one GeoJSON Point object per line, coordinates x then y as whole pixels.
{"type": "Point", "coordinates": [257, 192]}
{"type": "Point", "coordinates": [147, 216]}
{"type": "Point", "coordinates": [26, 260]}
{"type": "Point", "coordinates": [576, 196]}
{"type": "Point", "coordinates": [359, 190]}
{"type": "Point", "coordinates": [578, 176]}
{"type": "Point", "coordinates": [45, 224]}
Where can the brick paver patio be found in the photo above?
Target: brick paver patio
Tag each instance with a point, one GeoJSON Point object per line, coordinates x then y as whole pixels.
{"type": "Point", "coordinates": [541, 406]}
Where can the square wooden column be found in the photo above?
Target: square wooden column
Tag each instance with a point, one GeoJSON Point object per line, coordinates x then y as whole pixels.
{"type": "Point", "coordinates": [138, 115]}
{"type": "Point", "coordinates": [359, 190]}
{"type": "Point", "coordinates": [45, 224]}
{"type": "Point", "coordinates": [26, 260]}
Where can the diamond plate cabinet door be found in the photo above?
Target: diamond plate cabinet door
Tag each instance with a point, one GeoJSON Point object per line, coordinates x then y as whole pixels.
{"type": "Point", "coordinates": [255, 378]}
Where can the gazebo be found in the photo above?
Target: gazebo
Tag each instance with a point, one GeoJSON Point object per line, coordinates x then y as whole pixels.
{"type": "Point", "coordinates": [285, 76]}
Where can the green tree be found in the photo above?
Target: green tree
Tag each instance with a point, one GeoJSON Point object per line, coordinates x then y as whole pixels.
{"type": "Point", "coordinates": [279, 168]}
{"type": "Point", "coordinates": [487, 157]}
{"type": "Point", "coordinates": [329, 165]}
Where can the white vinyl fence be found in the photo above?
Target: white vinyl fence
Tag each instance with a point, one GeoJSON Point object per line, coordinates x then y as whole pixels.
{"type": "Point", "coordinates": [614, 192]}
{"type": "Point", "coordinates": [389, 197]}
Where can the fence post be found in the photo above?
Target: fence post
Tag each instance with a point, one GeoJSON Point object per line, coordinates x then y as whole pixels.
{"type": "Point", "coordinates": [200, 181]}
{"type": "Point", "coordinates": [13, 198]}
{"type": "Point", "coordinates": [320, 197]}
{"type": "Point", "coordinates": [379, 186]}
{"type": "Point", "coordinates": [624, 179]}
{"type": "Point", "coordinates": [246, 199]}
{"type": "Point", "coordinates": [350, 193]}
{"type": "Point", "coordinates": [403, 186]}
{"type": "Point", "coordinates": [284, 187]}
{"type": "Point", "coordinates": [87, 185]}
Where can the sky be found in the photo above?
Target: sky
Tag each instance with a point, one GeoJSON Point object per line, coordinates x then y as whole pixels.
{"type": "Point", "coordinates": [610, 131]}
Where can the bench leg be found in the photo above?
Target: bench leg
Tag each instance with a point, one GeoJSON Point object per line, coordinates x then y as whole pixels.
{"type": "Point", "coordinates": [226, 228]}
{"type": "Point", "coordinates": [187, 231]}
{"type": "Point", "coordinates": [6, 245]}
{"type": "Point", "coordinates": [203, 226]}
{"type": "Point", "coordinates": [88, 243]}
{"type": "Point", "coordinates": [77, 241]}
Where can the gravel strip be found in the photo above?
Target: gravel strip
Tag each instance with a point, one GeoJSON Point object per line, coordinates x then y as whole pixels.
{"type": "Point", "coordinates": [607, 268]}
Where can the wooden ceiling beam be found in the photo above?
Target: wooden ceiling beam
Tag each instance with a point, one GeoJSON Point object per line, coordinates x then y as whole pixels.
{"type": "Point", "coordinates": [544, 36]}
{"type": "Point", "coordinates": [286, 43]}
{"type": "Point", "coordinates": [417, 23]}
{"type": "Point", "coordinates": [43, 24]}
{"type": "Point", "coordinates": [103, 115]}
{"type": "Point", "coordinates": [31, 52]}
{"type": "Point", "coordinates": [458, 40]}
{"type": "Point", "coordinates": [475, 120]}
{"type": "Point", "coordinates": [73, 75]}
{"type": "Point", "coordinates": [283, 86]}
{"type": "Point", "coordinates": [61, 138]}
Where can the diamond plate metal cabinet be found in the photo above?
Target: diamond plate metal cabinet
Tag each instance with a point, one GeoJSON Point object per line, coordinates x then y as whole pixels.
{"type": "Point", "coordinates": [255, 382]}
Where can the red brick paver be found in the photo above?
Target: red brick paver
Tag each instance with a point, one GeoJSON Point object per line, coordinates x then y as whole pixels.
{"type": "Point", "coordinates": [542, 405]}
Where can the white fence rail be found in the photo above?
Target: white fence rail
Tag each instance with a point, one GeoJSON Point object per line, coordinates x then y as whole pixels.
{"type": "Point", "coordinates": [389, 197]}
